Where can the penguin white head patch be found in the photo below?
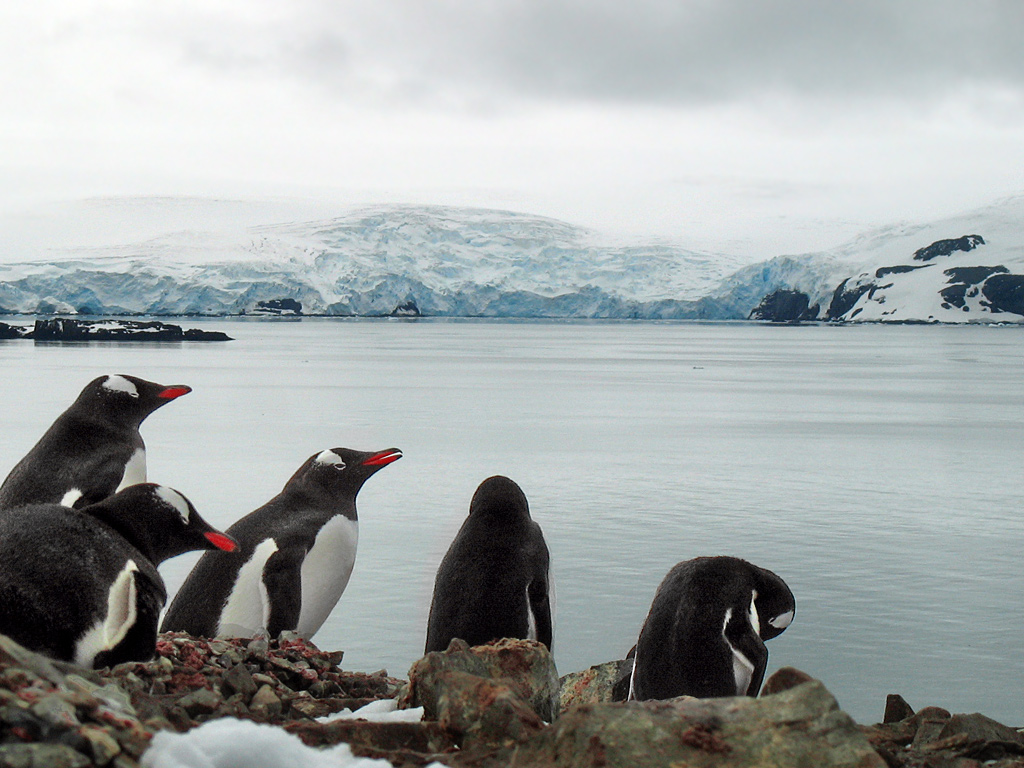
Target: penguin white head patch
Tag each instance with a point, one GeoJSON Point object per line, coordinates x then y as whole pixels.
{"type": "Point", "coordinates": [120, 384]}
{"type": "Point", "coordinates": [175, 500]}
{"type": "Point", "coordinates": [782, 620]}
{"type": "Point", "coordinates": [331, 458]}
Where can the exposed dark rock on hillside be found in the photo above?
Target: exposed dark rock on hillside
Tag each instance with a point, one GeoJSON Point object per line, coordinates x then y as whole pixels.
{"type": "Point", "coordinates": [946, 247]}
{"type": "Point", "coordinates": [1005, 293]}
{"type": "Point", "coordinates": [785, 306]}
{"type": "Point", "coordinates": [278, 307]}
{"type": "Point", "coordinates": [845, 297]}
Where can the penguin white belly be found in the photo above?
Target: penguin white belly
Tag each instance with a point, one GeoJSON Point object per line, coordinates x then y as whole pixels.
{"type": "Point", "coordinates": [134, 470]}
{"type": "Point", "coordinates": [246, 610]}
{"type": "Point", "coordinates": [326, 570]}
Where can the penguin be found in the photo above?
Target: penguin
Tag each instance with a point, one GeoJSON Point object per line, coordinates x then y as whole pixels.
{"type": "Point", "coordinates": [295, 555]}
{"type": "Point", "coordinates": [93, 449]}
{"type": "Point", "coordinates": [81, 585]}
{"type": "Point", "coordinates": [495, 579]}
{"type": "Point", "coordinates": [704, 635]}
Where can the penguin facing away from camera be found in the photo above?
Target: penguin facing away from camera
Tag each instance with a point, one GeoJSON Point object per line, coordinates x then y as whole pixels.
{"type": "Point", "coordinates": [82, 585]}
{"type": "Point", "coordinates": [93, 449]}
{"type": "Point", "coordinates": [704, 635]}
{"type": "Point", "coordinates": [495, 579]}
{"type": "Point", "coordinates": [295, 556]}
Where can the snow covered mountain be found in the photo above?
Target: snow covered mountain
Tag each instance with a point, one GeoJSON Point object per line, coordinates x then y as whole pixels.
{"type": "Point", "coordinates": [437, 261]}
{"type": "Point", "coordinates": [375, 261]}
{"type": "Point", "coordinates": [968, 268]}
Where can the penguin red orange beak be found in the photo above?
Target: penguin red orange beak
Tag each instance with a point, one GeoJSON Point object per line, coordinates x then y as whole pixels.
{"type": "Point", "coordinates": [177, 390]}
{"type": "Point", "coordinates": [383, 458]}
{"type": "Point", "coordinates": [221, 541]}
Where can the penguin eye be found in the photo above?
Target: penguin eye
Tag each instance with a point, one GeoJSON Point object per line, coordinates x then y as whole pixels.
{"type": "Point", "coordinates": [340, 466]}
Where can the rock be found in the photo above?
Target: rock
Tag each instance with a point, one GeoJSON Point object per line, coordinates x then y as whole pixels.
{"type": "Point", "coordinates": [845, 296]}
{"type": "Point", "coordinates": [929, 723]}
{"type": "Point", "coordinates": [202, 701]}
{"type": "Point", "coordinates": [277, 307]}
{"type": "Point", "coordinates": [594, 685]}
{"type": "Point", "coordinates": [484, 712]}
{"type": "Point", "coordinates": [102, 746]}
{"type": "Point", "coordinates": [41, 756]}
{"type": "Point", "coordinates": [64, 329]}
{"type": "Point", "coordinates": [238, 679]}
{"type": "Point", "coordinates": [802, 726]}
{"type": "Point", "coordinates": [8, 331]}
{"type": "Point", "coordinates": [265, 703]}
{"type": "Point", "coordinates": [1005, 293]}
{"type": "Point", "coordinates": [785, 306]}
{"type": "Point", "coordinates": [531, 668]}
{"type": "Point", "coordinates": [896, 709]}
{"type": "Point", "coordinates": [525, 666]}
{"type": "Point", "coordinates": [783, 679]}
{"type": "Point", "coordinates": [946, 247]}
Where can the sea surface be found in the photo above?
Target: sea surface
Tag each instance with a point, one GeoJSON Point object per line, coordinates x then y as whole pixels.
{"type": "Point", "coordinates": [876, 469]}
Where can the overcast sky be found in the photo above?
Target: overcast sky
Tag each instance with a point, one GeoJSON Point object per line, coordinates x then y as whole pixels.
{"type": "Point", "coordinates": [729, 124]}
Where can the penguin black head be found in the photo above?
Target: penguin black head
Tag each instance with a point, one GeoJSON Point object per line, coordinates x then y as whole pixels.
{"type": "Point", "coordinates": [342, 471]}
{"type": "Point", "coordinates": [126, 399]}
{"type": "Point", "coordinates": [159, 522]}
{"type": "Point", "coordinates": [775, 605]}
{"type": "Point", "coordinates": [499, 496]}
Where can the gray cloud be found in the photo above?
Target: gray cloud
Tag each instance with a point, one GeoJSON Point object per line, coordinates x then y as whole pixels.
{"type": "Point", "coordinates": [667, 52]}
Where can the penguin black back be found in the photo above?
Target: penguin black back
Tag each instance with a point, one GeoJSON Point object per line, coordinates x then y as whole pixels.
{"type": "Point", "coordinates": [295, 556]}
{"type": "Point", "coordinates": [82, 585]}
{"type": "Point", "coordinates": [704, 635]}
{"type": "Point", "coordinates": [93, 449]}
{"type": "Point", "coordinates": [494, 581]}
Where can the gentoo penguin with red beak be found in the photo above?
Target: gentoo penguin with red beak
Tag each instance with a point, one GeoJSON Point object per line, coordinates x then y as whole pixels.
{"type": "Point", "coordinates": [294, 560]}
{"type": "Point", "coordinates": [704, 635]}
{"type": "Point", "coordinates": [93, 449]}
{"type": "Point", "coordinates": [82, 585]}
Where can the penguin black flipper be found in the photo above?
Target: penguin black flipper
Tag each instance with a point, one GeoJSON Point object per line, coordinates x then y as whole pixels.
{"type": "Point", "coordinates": [282, 584]}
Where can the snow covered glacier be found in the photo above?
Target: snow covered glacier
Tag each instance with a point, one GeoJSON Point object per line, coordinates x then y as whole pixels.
{"type": "Point", "coordinates": [377, 261]}
{"type": "Point", "coordinates": [438, 261]}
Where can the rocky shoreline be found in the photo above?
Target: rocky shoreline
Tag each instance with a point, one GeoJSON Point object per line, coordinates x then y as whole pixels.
{"type": "Point", "coordinates": [65, 329]}
{"type": "Point", "coordinates": [495, 705]}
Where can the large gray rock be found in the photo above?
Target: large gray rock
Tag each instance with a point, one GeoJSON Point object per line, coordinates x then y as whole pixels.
{"type": "Point", "coordinates": [523, 666]}
{"type": "Point", "coordinates": [598, 684]}
{"type": "Point", "coordinates": [799, 727]}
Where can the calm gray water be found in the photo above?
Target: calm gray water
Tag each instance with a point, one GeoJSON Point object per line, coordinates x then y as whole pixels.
{"type": "Point", "coordinates": [876, 469]}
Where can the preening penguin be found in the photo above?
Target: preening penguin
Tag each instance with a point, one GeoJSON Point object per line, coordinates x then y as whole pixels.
{"type": "Point", "coordinates": [495, 579]}
{"type": "Point", "coordinates": [93, 449]}
{"type": "Point", "coordinates": [82, 585]}
{"type": "Point", "coordinates": [705, 633]}
{"type": "Point", "coordinates": [295, 555]}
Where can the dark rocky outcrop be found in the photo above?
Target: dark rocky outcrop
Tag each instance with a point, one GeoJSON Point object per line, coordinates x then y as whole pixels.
{"type": "Point", "coordinates": [8, 331]}
{"type": "Point", "coordinates": [1005, 293]}
{"type": "Point", "coordinates": [946, 247]}
{"type": "Point", "coordinates": [278, 307]}
{"type": "Point", "coordinates": [65, 329]}
{"type": "Point", "coordinates": [785, 306]}
{"type": "Point", "coordinates": [899, 269]}
{"type": "Point", "coordinates": [845, 297]}
{"type": "Point", "coordinates": [407, 308]}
